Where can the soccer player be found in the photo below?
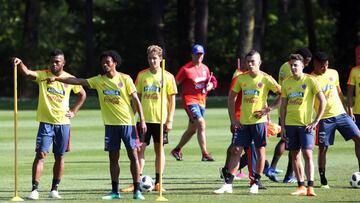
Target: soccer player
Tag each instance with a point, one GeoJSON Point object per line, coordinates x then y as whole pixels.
{"type": "Point", "coordinates": [335, 117]}
{"type": "Point", "coordinates": [116, 92]}
{"type": "Point", "coordinates": [297, 98]}
{"type": "Point", "coordinates": [196, 83]}
{"type": "Point", "coordinates": [54, 115]}
{"type": "Point", "coordinates": [148, 85]}
{"type": "Point", "coordinates": [271, 172]}
{"type": "Point", "coordinates": [252, 127]}
{"type": "Point", "coordinates": [354, 85]}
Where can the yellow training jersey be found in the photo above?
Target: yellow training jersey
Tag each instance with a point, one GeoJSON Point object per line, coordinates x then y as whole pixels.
{"type": "Point", "coordinates": [53, 98]}
{"type": "Point", "coordinates": [284, 72]}
{"type": "Point", "coordinates": [300, 95]}
{"type": "Point", "coordinates": [354, 79]}
{"type": "Point", "coordinates": [328, 83]}
{"type": "Point", "coordinates": [115, 98]}
{"type": "Point", "coordinates": [254, 95]}
{"type": "Point", "coordinates": [148, 85]}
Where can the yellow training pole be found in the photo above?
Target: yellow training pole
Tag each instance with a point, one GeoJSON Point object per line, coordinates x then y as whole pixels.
{"type": "Point", "coordinates": [162, 89]}
{"type": "Point", "coordinates": [16, 198]}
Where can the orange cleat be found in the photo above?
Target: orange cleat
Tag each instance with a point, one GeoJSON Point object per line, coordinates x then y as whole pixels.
{"type": "Point", "coordinates": [310, 191]}
{"type": "Point", "coordinates": [300, 191]}
{"type": "Point", "coordinates": [130, 188]}
{"type": "Point", "coordinates": [157, 188]}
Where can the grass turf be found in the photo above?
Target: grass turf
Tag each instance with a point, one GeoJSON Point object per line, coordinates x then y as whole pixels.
{"type": "Point", "coordinates": [87, 179]}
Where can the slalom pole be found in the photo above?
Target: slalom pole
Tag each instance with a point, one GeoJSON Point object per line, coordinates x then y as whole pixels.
{"type": "Point", "coordinates": [16, 197]}
{"type": "Point", "coordinates": [162, 89]}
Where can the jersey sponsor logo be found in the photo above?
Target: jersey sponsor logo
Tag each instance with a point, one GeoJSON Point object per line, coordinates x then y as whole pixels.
{"type": "Point", "coordinates": [111, 99]}
{"type": "Point", "coordinates": [303, 86]}
{"type": "Point", "coordinates": [151, 88]}
{"type": "Point", "coordinates": [55, 91]}
{"type": "Point", "coordinates": [154, 96]}
{"type": "Point", "coordinates": [251, 100]}
{"type": "Point", "coordinates": [297, 101]}
{"type": "Point", "coordinates": [200, 79]}
{"type": "Point", "coordinates": [111, 92]}
{"type": "Point", "coordinates": [251, 92]}
{"type": "Point", "coordinates": [296, 94]}
{"type": "Point", "coordinates": [327, 87]}
{"type": "Point", "coordinates": [259, 85]}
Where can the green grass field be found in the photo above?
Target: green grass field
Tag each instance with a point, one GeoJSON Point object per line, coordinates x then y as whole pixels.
{"type": "Point", "coordinates": [87, 179]}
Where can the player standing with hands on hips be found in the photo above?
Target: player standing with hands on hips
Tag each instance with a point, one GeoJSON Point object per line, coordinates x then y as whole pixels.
{"type": "Point", "coordinates": [196, 82]}
{"type": "Point", "coordinates": [54, 115]}
{"type": "Point", "coordinates": [116, 92]}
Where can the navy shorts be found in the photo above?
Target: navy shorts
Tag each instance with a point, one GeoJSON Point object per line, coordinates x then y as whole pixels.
{"type": "Point", "coordinates": [153, 130]}
{"type": "Point", "coordinates": [325, 131]}
{"type": "Point", "coordinates": [357, 118]}
{"type": "Point", "coordinates": [299, 138]}
{"type": "Point", "coordinates": [115, 133]}
{"type": "Point", "coordinates": [195, 111]}
{"type": "Point", "coordinates": [58, 135]}
{"type": "Point", "coordinates": [251, 133]}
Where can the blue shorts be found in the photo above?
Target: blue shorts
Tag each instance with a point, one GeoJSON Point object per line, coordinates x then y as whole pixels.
{"type": "Point", "coordinates": [299, 138]}
{"type": "Point", "coordinates": [357, 118]}
{"type": "Point", "coordinates": [325, 131]}
{"type": "Point", "coordinates": [251, 133]}
{"type": "Point", "coordinates": [195, 111]}
{"type": "Point", "coordinates": [58, 135]}
{"type": "Point", "coordinates": [115, 133]}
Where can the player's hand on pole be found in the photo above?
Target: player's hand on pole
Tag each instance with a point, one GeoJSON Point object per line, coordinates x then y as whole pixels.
{"type": "Point", "coordinates": [168, 126]}
{"type": "Point", "coordinates": [209, 86]}
{"type": "Point", "coordinates": [16, 61]}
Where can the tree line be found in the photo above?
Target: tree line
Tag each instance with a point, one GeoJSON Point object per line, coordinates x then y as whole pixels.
{"type": "Point", "coordinates": [228, 29]}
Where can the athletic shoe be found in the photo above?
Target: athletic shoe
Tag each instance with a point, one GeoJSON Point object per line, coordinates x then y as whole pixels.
{"type": "Point", "coordinates": [130, 188]}
{"type": "Point", "coordinates": [137, 195]}
{"type": "Point", "coordinates": [261, 186]}
{"type": "Point", "coordinates": [254, 189]}
{"type": "Point", "coordinates": [310, 191]}
{"type": "Point", "coordinates": [177, 154]}
{"type": "Point", "coordinates": [226, 188]}
{"type": "Point", "coordinates": [300, 191]}
{"type": "Point", "coordinates": [290, 179]}
{"type": "Point", "coordinates": [271, 174]}
{"type": "Point", "coordinates": [278, 171]}
{"type": "Point", "coordinates": [207, 157]}
{"type": "Point", "coordinates": [54, 194]}
{"type": "Point", "coordinates": [157, 188]}
{"type": "Point", "coordinates": [240, 176]}
{"type": "Point", "coordinates": [325, 186]}
{"type": "Point", "coordinates": [34, 195]}
{"type": "Point", "coordinates": [112, 195]}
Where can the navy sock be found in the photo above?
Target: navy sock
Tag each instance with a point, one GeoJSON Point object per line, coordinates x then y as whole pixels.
{"type": "Point", "coordinates": [55, 184]}
{"type": "Point", "coordinates": [115, 186]}
{"type": "Point", "coordinates": [35, 185]}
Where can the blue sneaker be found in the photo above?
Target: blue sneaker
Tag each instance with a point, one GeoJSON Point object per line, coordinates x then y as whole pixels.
{"type": "Point", "coordinates": [138, 195]}
{"type": "Point", "coordinates": [112, 195]}
{"type": "Point", "coordinates": [271, 174]}
{"type": "Point", "coordinates": [290, 179]}
{"type": "Point", "coordinates": [278, 171]}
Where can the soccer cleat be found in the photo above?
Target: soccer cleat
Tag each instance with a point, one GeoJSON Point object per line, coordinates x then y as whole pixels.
{"type": "Point", "coordinates": [226, 188]}
{"type": "Point", "coordinates": [278, 171]}
{"type": "Point", "coordinates": [137, 195]}
{"type": "Point", "coordinates": [240, 176]}
{"type": "Point", "coordinates": [290, 179]}
{"type": "Point", "coordinates": [130, 188]}
{"type": "Point", "coordinates": [300, 191]}
{"type": "Point", "coordinates": [207, 157]}
{"type": "Point", "coordinates": [271, 174]}
{"type": "Point", "coordinates": [34, 195]}
{"type": "Point", "coordinates": [177, 154]}
{"type": "Point", "coordinates": [54, 194]}
{"type": "Point", "coordinates": [112, 195]}
{"type": "Point", "coordinates": [157, 188]}
{"type": "Point", "coordinates": [254, 189]}
{"type": "Point", "coordinates": [325, 186]}
{"type": "Point", "coordinates": [261, 186]}
{"type": "Point", "coordinates": [310, 191]}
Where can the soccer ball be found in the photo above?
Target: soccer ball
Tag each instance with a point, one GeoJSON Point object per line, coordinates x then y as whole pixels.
{"type": "Point", "coordinates": [146, 183]}
{"type": "Point", "coordinates": [355, 180]}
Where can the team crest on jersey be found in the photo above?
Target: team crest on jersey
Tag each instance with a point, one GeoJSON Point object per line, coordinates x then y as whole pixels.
{"type": "Point", "coordinates": [259, 85]}
{"type": "Point", "coordinates": [331, 79]}
{"type": "Point", "coordinates": [145, 82]}
{"type": "Point", "coordinates": [303, 86]}
{"type": "Point", "coordinates": [120, 84]}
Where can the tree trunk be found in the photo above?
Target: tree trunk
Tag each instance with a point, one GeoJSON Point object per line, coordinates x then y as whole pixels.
{"type": "Point", "coordinates": [30, 43]}
{"type": "Point", "coordinates": [260, 24]}
{"type": "Point", "coordinates": [310, 25]}
{"type": "Point", "coordinates": [201, 21]}
{"type": "Point", "coordinates": [246, 29]}
{"type": "Point", "coordinates": [186, 23]}
{"type": "Point", "coordinates": [89, 51]}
